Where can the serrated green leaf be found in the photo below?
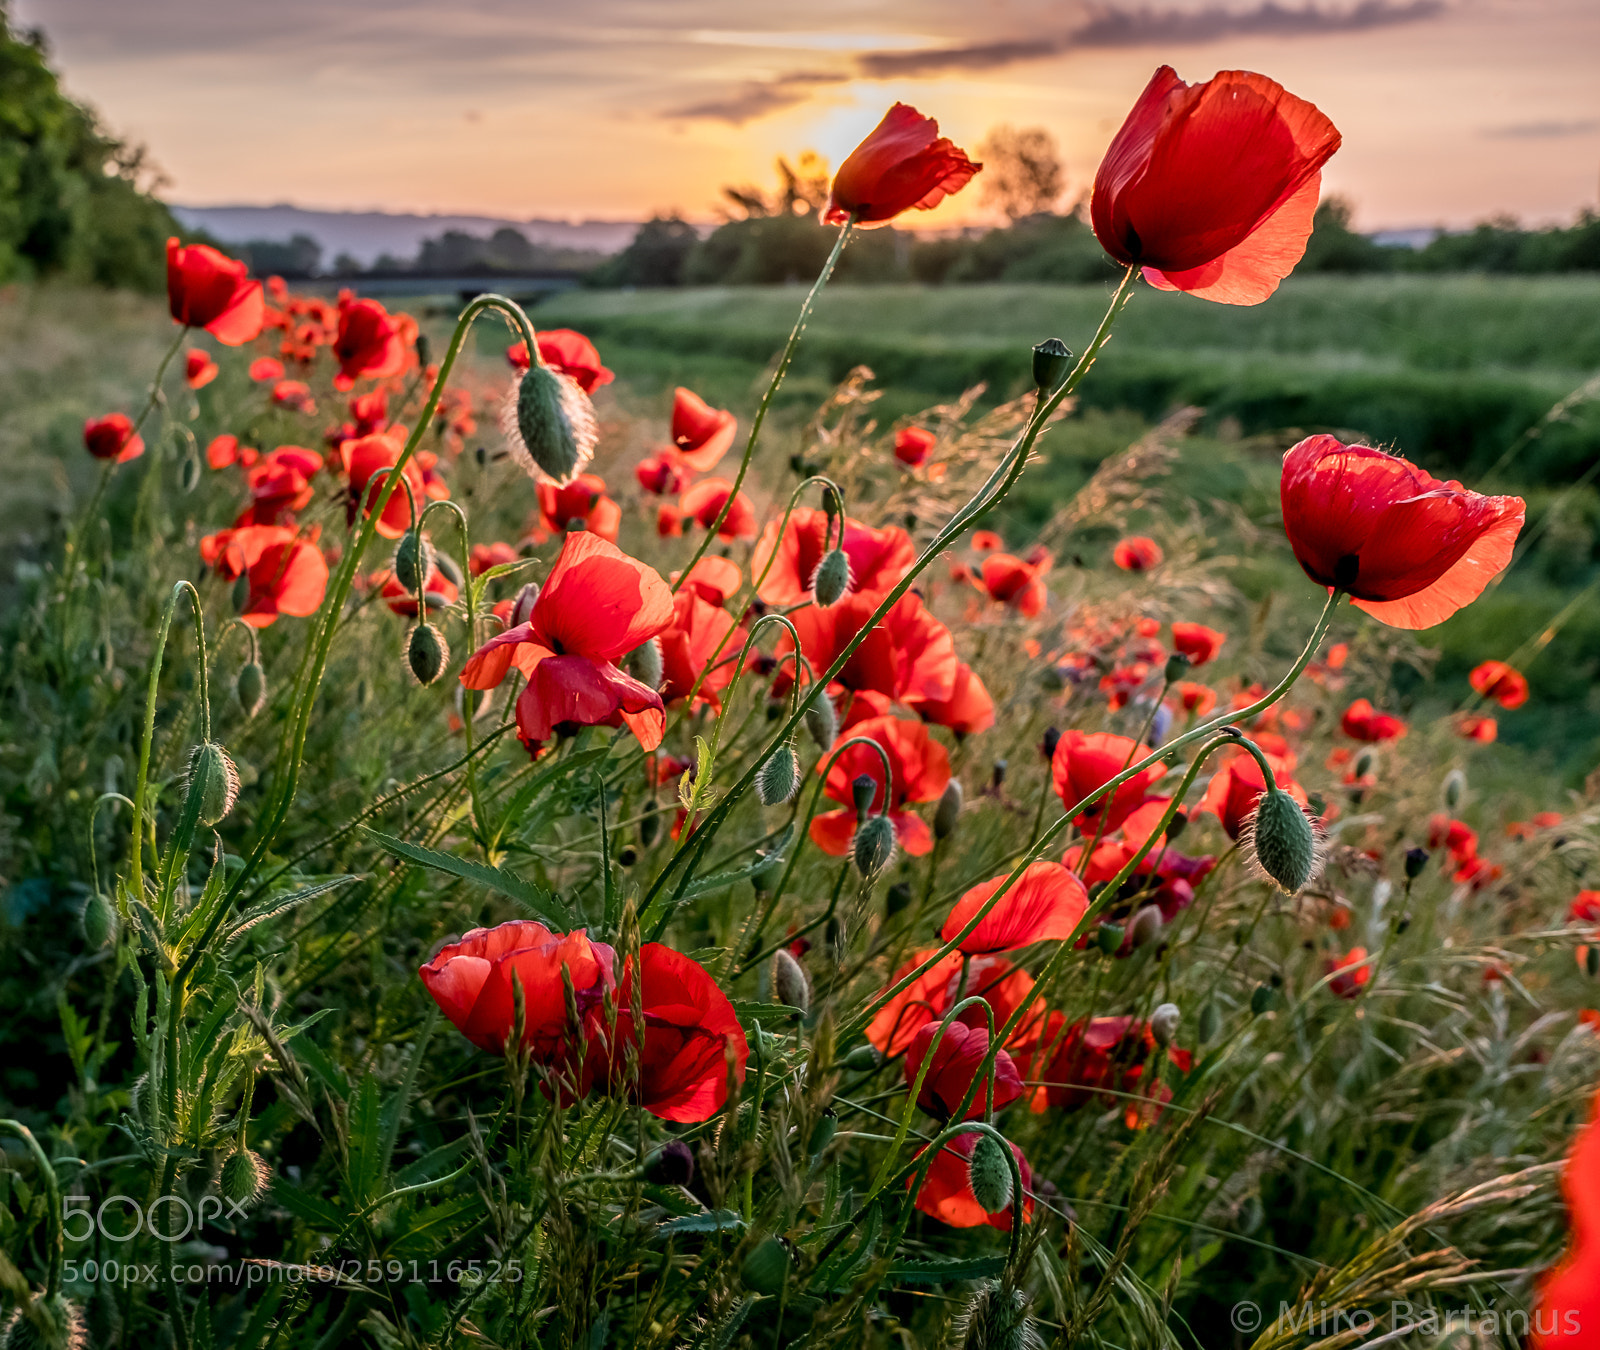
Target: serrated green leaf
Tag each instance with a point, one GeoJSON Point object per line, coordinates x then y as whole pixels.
{"type": "Point", "coordinates": [945, 1272]}
{"type": "Point", "coordinates": [542, 902]}
{"type": "Point", "coordinates": [711, 1221]}
{"type": "Point", "coordinates": [367, 1165]}
{"type": "Point", "coordinates": [274, 906]}
{"type": "Point", "coordinates": [721, 881]}
{"type": "Point", "coordinates": [309, 1209]}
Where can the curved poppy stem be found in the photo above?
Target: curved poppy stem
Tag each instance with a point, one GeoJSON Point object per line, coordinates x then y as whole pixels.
{"type": "Point", "coordinates": [469, 697]}
{"type": "Point", "coordinates": [773, 385]}
{"type": "Point", "coordinates": [52, 1208]}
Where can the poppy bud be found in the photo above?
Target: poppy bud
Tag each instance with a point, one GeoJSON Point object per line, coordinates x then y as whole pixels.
{"type": "Point", "coordinates": [241, 593]}
{"type": "Point", "coordinates": [1177, 665]}
{"type": "Point", "coordinates": [1108, 937]}
{"type": "Point", "coordinates": [832, 505]}
{"type": "Point", "coordinates": [1366, 762]}
{"type": "Point", "coordinates": [863, 1059]}
{"type": "Point", "coordinates": [427, 653]}
{"type": "Point", "coordinates": [766, 876]}
{"type": "Point", "coordinates": [413, 561]}
{"type": "Point", "coordinates": [213, 782]}
{"type": "Point", "coordinates": [450, 568]}
{"type": "Point", "coordinates": [1179, 823]}
{"type": "Point", "coordinates": [1591, 961]}
{"type": "Point", "coordinates": [649, 826]}
{"type": "Point", "coordinates": [822, 719]}
{"type": "Point", "coordinates": [1146, 926]}
{"type": "Point", "coordinates": [1455, 788]}
{"type": "Point", "coordinates": [863, 788]}
{"type": "Point", "coordinates": [896, 899]}
{"type": "Point", "coordinates": [1284, 842]}
{"type": "Point", "coordinates": [873, 846]}
{"type": "Point", "coordinates": [822, 1134]}
{"type": "Point", "coordinates": [51, 1323]}
{"type": "Point", "coordinates": [789, 981]}
{"type": "Point", "coordinates": [1164, 1023]}
{"type": "Point", "coordinates": [989, 1174]}
{"type": "Point", "coordinates": [244, 1176]}
{"type": "Point", "coordinates": [549, 424]}
{"type": "Point", "coordinates": [831, 579]}
{"type": "Point", "coordinates": [644, 663]}
{"type": "Point", "coordinates": [627, 856]}
{"type": "Point", "coordinates": [1210, 1024]}
{"type": "Point", "coordinates": [948, 810]}
{"type": "Point", "coordinates": [99, 921]}
{"type": "Point", "coordinates": [1416, 860]}
{"type": "Point", "coordinates": [1262, 999]}
{"type": "Point", "coordinates": [766, 1267]}
{"type": "Point", "coordinates": [998, 777]}
{"type": "Point", "coordinates": [670, 1165]}
{"type": "Point", "coordinates": [1052, 738]}
{"type": "Point", "coordinates": [250, 688]}
{"type": "Point", "coordinates": [522, 606]}
{"type": "Point", "coordinates": [1052, 363]}
{"type": "Point", "coordinates": [997, 1319]}
{"type": "Point", "coordinates": [189, 473]}
{"type": "Point", "coordinates": [779, 778]}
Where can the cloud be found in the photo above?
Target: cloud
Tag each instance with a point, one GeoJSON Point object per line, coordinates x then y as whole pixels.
{"type": "Point", "coordinates": [980, 56]}
{"type": "Point", "coordinates": [757, 98]}
{"type": "Point", "coordinates": [1543, 131]}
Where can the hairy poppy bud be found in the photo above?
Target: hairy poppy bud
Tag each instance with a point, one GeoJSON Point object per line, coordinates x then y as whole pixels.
{"type": "Point", "coordinates": [670, 1165]}
{"type": "Point", "coordinates": [997, 1319]}
{"type": "Point", "coordinates": [1455, 788]}
{"type": "Point", "coordinates": [1108, 937]}
{"type": "Point", "coordinates": [240, 595]}
{"type": "Point", "coordinates": [989, 1174]}
{"type": "Point", "coordinates": [213, 782]}
{"type": "Point", "coordinates": [1164, 1023]}
{"type": "Point", "coordinates": [863, 1059]}
{"type": "Point", "coordinates": [766, 1267]}
{"type": "Point", "coordinates": [1366, 762]}
{"type": "Point", "coordinates": [549, 424]}
{"type": "Point", "coordinates": [1177, 665]}
{"type": "Point", "coordinates": [1052, 738]}
{"type": "Point", "coordinates": [863, 788]}
{"type": "Point", "coordinates": [1210, 1023]}
{"type": "Point", "coordinates": [822, 719]}
{"type": "Point", "coordinates": [1416, 860]}
{"type": "Point", "coordinates": [522, 606]}
{"type": "Point", "coordinates": [873, 846]}
{"type": "Point", "coordinates": [1283, 841]}
{"type": "Point", "coordinates": [244, 1176]}
{"type": "Point", "coordinates": [413, 561]}
{"type": "Point", "coordinates": [779, 778]}
{"type": "Point", "coordinates": [897, 898]}
{"type": "Point", "coordinates": [1052, 363]}
{"type": "Point", "coordinates": [948, 811]}
{"type": "Point", "coordinates": [1262, 999]}
{"type": "Point", "coordinates": [427, 653]}
{"type": "Point", "coordinates": [1146, 926]}
{"type": "Point", "coordinates": [250, 688]}
{"type": "Point", "coordinates": [99, 921]}
{"type": "Point", "coordinates": [822, 1134]}
{"type": "Point", "coordinates": [51, 1323]}
{"type": "Point", "coordinates": [789, 981]}
{"type": "Point", "coordinates": [450, 568]}
{"type": "Point", "coordinates": [644, 663]}
{"type": "Point", "coordinates": [831, 579]}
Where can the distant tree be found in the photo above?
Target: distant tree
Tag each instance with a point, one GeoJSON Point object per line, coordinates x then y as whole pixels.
{"type": "Point", "coordinates": [347, 265]}
{"type": "Point", "coordinates": [1335, 247]}
{"type": "Point", "coordinates": [802, 189]}
{"type": "Point", "coordinates": [1022, 171]}
{"type": "Point", "coordinates": [300, 257]}
{"type": "Point", "coordinates": [655, 257]}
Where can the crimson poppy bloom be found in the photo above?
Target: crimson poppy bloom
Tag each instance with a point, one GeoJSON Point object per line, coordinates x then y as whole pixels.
{"type": "Point", "coordinates": [280, 485]}
{"type": "Point", "coordinates": [1495, 680]}
{"type": "Point", "coordinates": [879, 558]}
{"type": "Point", "coordinates": [484, 556]}
{"type": "Point", "coordinates": [437, 591]}
{"type": "Point", "coordinates": [1408, 549]}
{"type": "Point", "coordinates": [903, 164]}
{"type": "Point", "coordinates": [698, 629]}
{"type": "Point", "coordinates": [969, 708]}
{"type": "Point", "coordinates": [1199, 643]}
{"type": "Point", "coordinates": [1585, 907]}
{"type": "Point", "coordinates": [1085, 761]}
{"type": "Point", "coordinates": [1363, 722]}
{"type": "Point", "coordinates": [986, 541]}
{"type": "Point", "coordinates": [1102, 1055]}
{"type": "Point", "coordinates": [908, 656]}
{"type": "Point", "coordinates": [1047, 902]}
{"type": "Point", "coordinates": [716, 579]}
{"type": "Point", "coordinates": [1197, 699]}
{"type": "Point", "coordinates": [472, 982]}
{"type": "Point", "coordinates": [1211, 188]}
{"type": "Point", "coordinates": [1137, 553]}
{"type": "Point", "coordinates": [946, 1192]}
{"type": "Point", "coordinates": [266, 369]}
{"type": "Point", "coordinates": [669, 521]}
{"type": "Point", "coordinates": [920, 768]}
{"type": "Point", "coordinates": [295, 395]}
{"type": "Point", "coordinates": [957, 1058]}
{"type": "Point", "coordinates": [1455, 835]}
{"type": "Point", "coordinates": [207, 289]}
{"type": "Point", "coordinates": [198, 368]}
{"type": "Point", "coordinates": [664, 472]}
{"type": "Point", "coordinates": [701, 433]}
{"type": "Point", "coordinates": [370, 341]}
{"type": "Point", "coordinates": [1472, 727]}
{"type": "Point", "coordinates": [682, 1049]}
{"type": "Point", "coordinates": [286, 572]}
{"type": "Point", "coordinates": [112, 437]}
{"type": "Point", "coordinates": [944, 984]}
{"type": "Point", "coordinates": [223, 451]}
{"type": "Point", "coordinates": [581, 504]}
{"type": "Point", "coordinates": [703, 502]}
{"type": "Point", "coordinates": [912, 446]}
{"type": "Point", "coordinates": [363, 459]}
{"type": "Point", "coordinates": [1238, 785]}
{"type": "Point", "coordinates": [1350, 972]}
{"type": "Point", "coordinates": [596, 606]}
{"type": "Point", "coordinates": [574, 356]}
{"type": "Point", "coordinates": [1568, 1303]}
{"type": "Point", "coordinates": [1015, 583]}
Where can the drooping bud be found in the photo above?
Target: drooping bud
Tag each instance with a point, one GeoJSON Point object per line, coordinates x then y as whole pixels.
{"type": "Point", "coordinates": [244, 1176]}
{"type": "Point", "coordinates": [822, 719]}
{"type": "Point", "coordinates": [1146, 926]}
{"type": "Point", "coordinates": [549, 425]}
{"type": "Point", "coordinates": [1282, 841]}
{"type": "Point", "coordinates": [989, 1174]}
{"type": "Point", "coordinates": [427, 653]}
{"type": "Point", "coordinates": [789, 981]}
{"type": "Point", "coordinates": [1052, 363]}
{"type": "Point", "coordinates": [250, 688]}
{"type": "Point", "coordinates": [1416, 860]}
{"type": "Point", "coordinates": [948, 811]}
{"type": "Point", "coordinates": [1177, 667]}
{"type": "Point", "coordinates": [863, 1059]}
{"type": "Point", "coordinates": [1210, 1023]}
{"type": "Point", "coordinates": [644, 664]}
{"type": "Point", "coordinates": [822, 1134]}
{"type": "Point", "coordinates": [214, 781]}
{"type": "Point", "coordinates": [863, 788]}
{"type": "Point", "coordinates": [779, 778]}
{"type": "Point", "coordinates": [1366, 763]}
{"type": "Point", "coordinates": [1164, 1023]}
{"type": "Point", "coordinates": [241, 593]}
{"type": "Point", "coordinates": [873, 846]}
{"type": "Point", "coordinates": [997, 1319]}
{"type": "Point", "coordinates": [670, 1165]}
{"type": "Point", "coordinates": [413, 561]}
{"type": "Point", "coordinates": [766, 1267]}
{"type": "Point", "coordinates": [1455, 788]}
{"type": "Point", "coordinates": [831, 579]}
{"type": "Point", "coordinates": [1108, 937]}
{"type": "Point", "coordinates": [522, 606]}
{"type": "Point", "coordinates": [48, 1323]}
{"type": "Point", "coordinates": [99, 921]}
{"type": "Point", "coordinates": [1052, 738]}
{"type": "Point", "coordinates": [896, 898]}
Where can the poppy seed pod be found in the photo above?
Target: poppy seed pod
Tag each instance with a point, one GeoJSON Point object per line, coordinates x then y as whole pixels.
{"type": "Point", "coordinates": [1282, 840]}
{"type": "Point", "coordinates": [789, 981]}
{"type": "Point", "coordinates": [989, 1173]}
{"type": "Point", "coordinates": [250, 688]}
{"type": "Point", "coordinates": [779, 778]}
{"type": "Point", "coordinates": [831, 580]}
{"type": "Point", "coordinates": [997, 1319]}
{"type": "Point", "coordinates": [948, 810]}
{"type": "Point", "coordinates": [1164, 1023]}
{"type": "Point", "coordinates": [766, 1267]}
{"type": "Point", "coordinates": [244, 1176]}
{"type": "Point", "coordinates": [1177, 666]}
{"type": "Point", "coordinates": [1455, 788]}
{"type": "Point", "coordinates": [1052, 363]}
{"type": "Point", "coordinates": [873, 845]}
{"type": "Point", "coordinates": [427, 653]}
{"type": "Point", "coordinates": [822, 719]}
{"type": "Point", "coordinates": [863, 1059]}
{"type": "Point", "coordinates": [413, 560]}
{"type": "Point", "coordinates": [1416, 860]}
{"type": "Point", "coordinates": [522, 606]}
{"type": "Point", "coordinates": [863, 788]}
{"type": "Point", "coordinates": [549, 424]}
{"type": "Point", "coordinates": [214, 778]}
{"type": "Point", "coordinates": [99, 921]}
{"type": "Point", "coordinates": [51, 1323]}
{"type": "Point", "coordinates": [644, 664]}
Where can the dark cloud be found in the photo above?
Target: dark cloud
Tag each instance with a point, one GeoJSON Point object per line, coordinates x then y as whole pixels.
{"type": "Point", "coordinates": [757, 98]}
{"type": "Point", "coordinates": [981, 56]}
{"type": "Point", "coordinates": [1543, 131]}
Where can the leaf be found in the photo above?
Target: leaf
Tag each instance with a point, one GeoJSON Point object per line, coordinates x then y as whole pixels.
{"type": "Point", "coordinates": [944, 1272]}
{"type": "Point", "coordinates": [543, 903]}
{"type": "Point", "coordinates": [721, 881]}
{"type": "Point", "coordinates": [367, 1164]}
{"type": "Point", "coordinates": [712, 1221]}
{"type": "Point", "coordinates": [273, 906]}
{"type": "Point", "coordinates": [308, 1208]}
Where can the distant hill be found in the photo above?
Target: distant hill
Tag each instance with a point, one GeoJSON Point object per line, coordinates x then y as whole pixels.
{"type": "Point", "coordinates": [366, 236]}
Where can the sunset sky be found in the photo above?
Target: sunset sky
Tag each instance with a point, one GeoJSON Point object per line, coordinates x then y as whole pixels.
{"type": "Point", "coordinates": [1452, 110]}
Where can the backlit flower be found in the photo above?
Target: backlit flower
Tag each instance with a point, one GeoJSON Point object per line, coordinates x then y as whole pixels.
{"type": "Point", "coordinates": [370, 341]}
{"type": "Point", "coordinates": [703, 503]}
{"type": "Point", "coordinates": [1495, 680]}
{"type": "Point", "coordinates": [912, 446]}
{"type": "Point", "coordinates": [112, 437]}
{"type": "Point", "coordinates": [1199, 643]}
{"type": "Point", "coordinates": [1568, 1304]}
{"type": "Point", "coordinates": [1197, 699]}
{"type": "Point", "coordinates": [364, 458]}
{"type": "Point", "coordinates": [1102, 1055]}
{"type": "Point", "coordinates": [1137, 554]}
{"type": "Point", "coordinates": [1046, 902]}
{"type": "Point", "coordinates": [701, 433]}
{"type": "Point", "coordinates": [920, 768]}
{"type": "Point", "coordinates": [909, 656]}
{"type": "Point", "coordinates": [574, 356]}
{"type": "Point", "coordinates": [945, 983]}
{"type": "Point", "coordinates": [580, 505]}
{"type": "Point", "coordinates": [664, 472]}
{"type": "Point", "coordinates": [1015, 583]}
{"type": "Point", "coordinates": [266, 369]}
{"type": "Point", "coordinates": [1473, 727]}
{"type": "Point", "coordinates": [198, 368]}
{"type": "Point", "coordinates": [699, 629]}
{"type": "Point", "coordinates": [879, 558]}
{"type": "Point", "coordinates": [285, 572]}
{"type": "Point", "coordinates": [207, 289]}
{"type": "Point", "coordinates": [1237, 786]}
{"type": "Point", "coordinates": [484, 556]}
{"type": "Point", "coordinates": [1363, 722]}
{"type": "Point", "coordinates": [957, 1056]}
{"type": "Point", "coordinates": [1350, 972]}
{"type": "Point", "coordinates": [1085, 761]}
{"type": "Point", "coordinates": [903, 164]}
{"type": "Point", "coordinates": [969, 708]}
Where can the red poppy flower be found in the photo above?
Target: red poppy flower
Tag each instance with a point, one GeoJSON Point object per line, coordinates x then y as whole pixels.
{"type": "Point", "coordinates": [1103, 1055]}
{"type": "Point", "coordinates": [112, 437]}
{"type": "Point", "coordinates": [1237, 786]}
{"type": "Point", "coordinates": [517, 355]}
{"type": "Point", "coordinates": [986, 541]}
{"type": "Point", "coordinates": [437, 591]}
{"type": "Point", "coordinates": [266, 369]}
{"type": "Point", "coordinates": [912, 446]}
{"type": "Point", "coordinates": [1456, 836]}
{"type": "Point", "coordinates": [698, 629]}
{"type": "Point", "coordinates": [903, 164]}
{"type": "Point", "coordinates": [370, 341]}
{"type": "Point", "coordinates": [945, 983]}
{"type": "Point", "coordinates": [1506, 685]}
{"type": "Point", "coordinates": [682, 1051]}
{"type": "Point", "coordinates": [920, 767]}
{"type": "Point", "coordinates": [701, 433]}
{"type": "Point", "coordinates": [1407, 548]}
{"type": "Point", "coordinates": [286, 572]}
{"type": "Point", "coordinates": [1350, 972]}
{"type": "Point", "coordinates": [596, 606]}
{"type": "Point", "coordinates": [664, 472]}
{"type": "Point", "coordinates": [1471, 727]}
{"type": "Point", "coordinates": [1085, 761]}
{"type": "Point", "coordinates": [1137, 554]}
{"type": "Point", "coordinates": [207, 289]}
{"type": "Point", "coordinates": [1585, 907]}
{"type": "Point", "coordinates": [669, 521]}
{"type": "Point", "coordinates": [1047, 902]}
{"type": "Point", "coordinates": [957, 1057]}
{"type": "Point", "coordinates": [1199, 643]}
{"type": "Point", "coordinates": [295, 395]}
{"type": "Point", "coordinates": [1529, 829]}
{"type": "Point", "coordinates": [484, 556]}
{"type": "Point", "coordinates": [280, 485]}
{"type": "Point", "coordinates": [573, 355]}
{"type": "Point", "coordinates": [223, 451]}
{"type": "Point", "coordinates": [879, 559]}
{"type": "Point", "coordinates": [198, 368]}
{"type": "Point", "coordinates": [909, 656]}
{"type": "Point", "coordinates": [716, 579]}
{"type": "Point", "coordinates": [969, 708]}
{"type": "Point", "coordinates": [472, 982]}
{"type": "Point", "coordinates": [1016, 583]}
{"type": "Point", "coordinates": [363, 458]}
{"type": "Point", "coordinates": [1211, 187]}
{"type": "Point", "coordinates": [1363, 722]}
{"type": "Point", "coordinates": [1197, 699]}
{"type": "Point", "coordinates": [1568, 1305]}
{"type": "Point", "coordinates": [703, 503]}
{"type": "Point", "coordinates": [581, 504]}
{"type": "Point", "coordinates": [946, 1192]}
